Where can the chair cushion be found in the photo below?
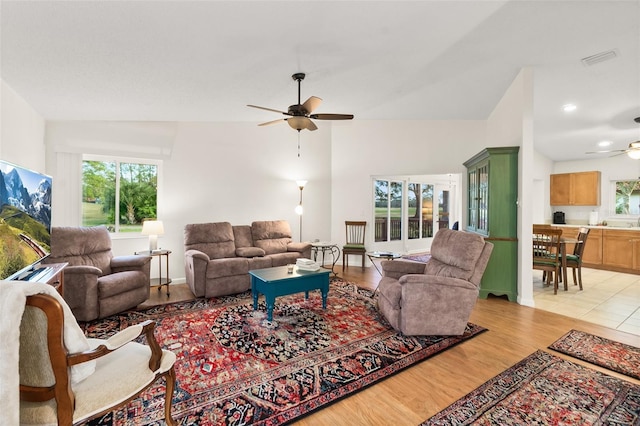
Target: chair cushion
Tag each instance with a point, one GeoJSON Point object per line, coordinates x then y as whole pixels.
{"type": "Point", "coordinates": [82, 246]}
{"type": "Point", "coordinates": [118, 376]}
{"type": "Point", "coordinates": [454, 254]}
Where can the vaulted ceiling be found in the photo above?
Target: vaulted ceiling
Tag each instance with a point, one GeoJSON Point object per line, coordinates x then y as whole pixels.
{"type": "Point", "coordinates": [380, 60]}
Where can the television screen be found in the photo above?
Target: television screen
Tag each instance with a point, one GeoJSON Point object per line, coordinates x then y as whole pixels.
{"type": "Point", "coordinates": [25, 218]}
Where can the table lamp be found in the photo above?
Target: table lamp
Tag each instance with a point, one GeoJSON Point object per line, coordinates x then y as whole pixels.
{"type": "Point", "coordinates": [152, 228]}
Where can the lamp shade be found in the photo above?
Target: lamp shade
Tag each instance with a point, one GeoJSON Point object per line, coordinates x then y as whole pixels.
{"type": "Point", "coordinates": [152, 227]}
{"type": "Point", "coordinates": [634, 150]}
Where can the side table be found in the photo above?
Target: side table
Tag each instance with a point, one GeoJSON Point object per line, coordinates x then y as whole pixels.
{"type": "Point", "coordinates": [159, 282]}
{"type": "Point", "coordinates": [50, 273]}
{"type": "Point", "coordinates": [325, 247]}
{"type": "Point", "coordinates": [384, 255]}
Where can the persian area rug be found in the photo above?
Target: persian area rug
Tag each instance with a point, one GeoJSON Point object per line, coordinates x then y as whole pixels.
{"type": "Point", "coordinates": [234, 367]}
{"type": "Point", "coordinates": [420, 257]}
{"type": "Point", "coordinates": [615, 356]}
{"type": "Point", "coordinates": [544, 389]}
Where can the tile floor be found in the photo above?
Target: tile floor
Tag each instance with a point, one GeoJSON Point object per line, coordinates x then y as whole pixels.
{"type": "Point", "coordinates": [608, 298]}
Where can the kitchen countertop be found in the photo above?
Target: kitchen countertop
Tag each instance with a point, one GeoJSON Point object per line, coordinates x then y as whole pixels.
{"type": "Point", "coordinates": [620, 227]}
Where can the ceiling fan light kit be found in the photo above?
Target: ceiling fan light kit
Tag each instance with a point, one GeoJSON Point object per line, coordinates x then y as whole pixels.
{"type": "Point", "coordinates": [300, 115]}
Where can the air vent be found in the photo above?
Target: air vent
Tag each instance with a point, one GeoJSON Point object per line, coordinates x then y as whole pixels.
{"type": "Point", "coordinates": [599, 57]}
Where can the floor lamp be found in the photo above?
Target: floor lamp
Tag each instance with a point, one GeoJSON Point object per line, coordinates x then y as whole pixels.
{"type": "Point", "coordinates": [299, 210]}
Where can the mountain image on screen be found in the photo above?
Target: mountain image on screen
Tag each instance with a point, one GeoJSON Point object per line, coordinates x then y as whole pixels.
{"type": "Point", "coordinates": [25, 218]}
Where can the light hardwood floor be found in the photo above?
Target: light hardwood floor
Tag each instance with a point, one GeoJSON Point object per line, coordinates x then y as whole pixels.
{"type": "Point", "coordinates": [414, 394]}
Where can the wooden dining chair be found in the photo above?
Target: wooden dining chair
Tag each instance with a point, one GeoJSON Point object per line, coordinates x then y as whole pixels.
{"type": "Point", "coordinates": [574, 261]}
{"type": "Point", "coordinates": [354, 241]}
{"type": "Point", "coordinates": [546, 254]}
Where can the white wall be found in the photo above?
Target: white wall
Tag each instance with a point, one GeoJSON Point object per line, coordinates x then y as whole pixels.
{"type": "Point", "coordinates": [21, 131]}
{"type": "Point", "coordinates": [364, 149]}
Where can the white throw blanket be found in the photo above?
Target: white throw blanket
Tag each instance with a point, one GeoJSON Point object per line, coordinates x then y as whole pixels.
{"type": "Point", "coordinates": [13, 296]}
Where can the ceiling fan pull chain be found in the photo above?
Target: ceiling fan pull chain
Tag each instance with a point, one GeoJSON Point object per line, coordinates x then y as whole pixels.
{"type": "Point", "coordinates": [298, 143]}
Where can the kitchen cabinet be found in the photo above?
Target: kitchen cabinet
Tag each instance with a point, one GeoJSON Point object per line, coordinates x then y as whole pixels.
{"type": "Point", "coordinates": [492, 185]}
{"type": "Point", "coordinates": [621, 250]}
{"type": "Point", "coordinates": [575, 189]}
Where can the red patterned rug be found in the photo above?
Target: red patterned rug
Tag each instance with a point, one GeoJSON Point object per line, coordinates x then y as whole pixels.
{"type": "Point", "coordinates": [233, 367]}
{"type": "Point", "coordinates": [600, 351]}
{"type": "Point", "coordinates": [544, 389]}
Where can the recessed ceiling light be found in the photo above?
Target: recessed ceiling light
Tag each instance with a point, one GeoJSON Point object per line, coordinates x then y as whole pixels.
{"type": "Point", "coordinates": [604, 143]}
{"type": "Point", "coordinates": [569, 107]}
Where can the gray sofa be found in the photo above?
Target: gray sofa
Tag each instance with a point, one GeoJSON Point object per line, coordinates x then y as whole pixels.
{"type": "Point", "coordinates": [435, 298]}
{"type": "Point", "coordinates": [218, 256]}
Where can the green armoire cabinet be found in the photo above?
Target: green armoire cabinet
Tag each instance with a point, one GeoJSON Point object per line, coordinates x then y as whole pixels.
{"type": "Point", "coordinates": [492, 183]}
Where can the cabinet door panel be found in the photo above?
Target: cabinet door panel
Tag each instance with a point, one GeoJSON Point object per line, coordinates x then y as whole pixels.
{"type": "Point", "coordinates": [560, 189]}
{"type": "Point", "coordinates": [617, 249]}
{"type": "Point", "coordinates": [593, 250]}
{"type": "Point", "coordinates": [585, 189]}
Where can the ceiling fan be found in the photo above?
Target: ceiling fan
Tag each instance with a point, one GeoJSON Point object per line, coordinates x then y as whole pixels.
{"type": "Point", "coordinates": [633, 151]}
{"type": "Point", "coordinates": [300, 114]}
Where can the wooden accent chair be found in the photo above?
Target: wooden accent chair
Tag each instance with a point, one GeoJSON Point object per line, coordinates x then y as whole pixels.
{"type": "Point", "coordinates": [354, 244]}
{"type": "Point", "coordinates": [574, 261]}
{"type": "Point", "coordinates": [546, 254]}
{"type": "Point", "coordinates": [49, 393]}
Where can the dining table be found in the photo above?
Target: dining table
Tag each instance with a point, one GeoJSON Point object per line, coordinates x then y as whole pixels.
{"type": "Point", "coordinates": [564, 241]}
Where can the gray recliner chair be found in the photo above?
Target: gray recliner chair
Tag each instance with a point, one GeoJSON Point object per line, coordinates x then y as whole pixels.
{"type": "Point", "coordinates": [435, 298]}
{"type": "Point", "coordinates": [97, 284]}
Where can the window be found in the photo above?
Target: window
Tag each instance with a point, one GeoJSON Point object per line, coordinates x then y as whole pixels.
{"type": "Point", "coordinates": [628, 197]}
{"type": "Point", "coordinates": [388, 200]}
{"type": "Point", "coordinates": [388, 210]}
{"type": "Point", "coordinates": [119, 194]}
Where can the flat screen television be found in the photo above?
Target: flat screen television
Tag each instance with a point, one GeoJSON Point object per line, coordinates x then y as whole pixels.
{"type": "Point", "coordinates": [25, 219]}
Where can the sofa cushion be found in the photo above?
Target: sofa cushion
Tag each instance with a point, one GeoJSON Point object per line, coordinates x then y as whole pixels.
{"type": "Point", "coordinates": [242, 236]}
{"type": "Point", "coordinates": [249, 252]}
{"type": "Point", "coordinates": [272, 236]}
{"type": "Point", "coordinates": [216, 240]}
{"type": "Point", "coordinates": [227, 267]}
{"type": "Point", "coordinates": [454, 254]}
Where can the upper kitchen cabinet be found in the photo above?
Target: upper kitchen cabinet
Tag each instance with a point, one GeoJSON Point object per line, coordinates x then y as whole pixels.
{"type": "Point", "coordinates": [575, 189]}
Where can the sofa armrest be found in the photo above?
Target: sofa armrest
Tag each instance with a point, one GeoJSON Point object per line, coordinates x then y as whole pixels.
{"type": "Point", "coordinates": [299, 247]}
{"type": "Point", "coordinates": [303, 248]}
{"type": "Point", "coordinates": [398, 268]}
{"type": "Point", "coordinates": [129, 263]}
{"type": "Point", "coordinates": [195, 268]}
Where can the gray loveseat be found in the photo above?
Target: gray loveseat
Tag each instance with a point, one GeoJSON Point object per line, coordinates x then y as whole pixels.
{"type": "Point", "coordinates": [218, 256]}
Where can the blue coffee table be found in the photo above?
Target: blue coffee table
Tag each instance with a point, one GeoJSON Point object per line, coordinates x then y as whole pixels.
{"type": "Point", "coordinates": [277, 281]}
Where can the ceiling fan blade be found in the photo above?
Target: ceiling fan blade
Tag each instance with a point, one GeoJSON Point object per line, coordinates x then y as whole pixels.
{"type": "Point", "coordinates": [332, 116]}
{"type": "Point", "coordinates": [311, 104]}
{"type": "Point", "coordinates": [268, 123]}
{"type": "Point", "coordinates": [311, 125]}
{"type": "Point", "coordinates": [608, 151]}
{"type": "Point", "coordinates": [269, 109]}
